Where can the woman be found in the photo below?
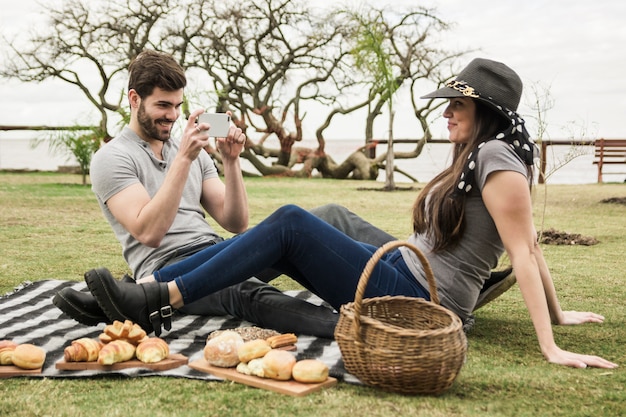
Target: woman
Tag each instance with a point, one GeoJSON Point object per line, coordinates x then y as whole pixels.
{"type": "Point", "coordinates": [464, 219]}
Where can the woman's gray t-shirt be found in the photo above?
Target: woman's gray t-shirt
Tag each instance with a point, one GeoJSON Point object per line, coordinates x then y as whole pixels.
{"type": "Point", "coordinates": [461, 271]}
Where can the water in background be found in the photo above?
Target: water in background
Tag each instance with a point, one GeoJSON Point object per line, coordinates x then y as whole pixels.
{"type": "Point", "coordinates": [18, 154]}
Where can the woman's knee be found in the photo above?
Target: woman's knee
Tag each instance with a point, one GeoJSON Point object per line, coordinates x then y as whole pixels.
{"type": "Point", "coordinates": [289, 211]}
{"type": "Point", "coordinates": [294, 218]}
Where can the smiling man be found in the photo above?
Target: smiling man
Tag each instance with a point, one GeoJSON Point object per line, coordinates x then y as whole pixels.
{"type": "Point", "coordinates": [155, 190]}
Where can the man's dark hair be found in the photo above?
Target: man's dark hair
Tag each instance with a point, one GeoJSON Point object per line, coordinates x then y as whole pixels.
{"type": "Point", "coordinates": [152, 69]}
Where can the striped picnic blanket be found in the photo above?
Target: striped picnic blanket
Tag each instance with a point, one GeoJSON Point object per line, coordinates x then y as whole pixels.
{"type": "Point", "coordinates": [27, 315]}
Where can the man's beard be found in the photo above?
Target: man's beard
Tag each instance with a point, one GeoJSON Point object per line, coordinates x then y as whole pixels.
{"type": "Point", "coordinates": [149, 127]}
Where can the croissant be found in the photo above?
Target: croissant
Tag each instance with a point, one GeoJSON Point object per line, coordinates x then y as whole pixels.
{"type": "Point", "coordinates": [152, 350]}
{"type": "Point", "coordinates": [129, 331]}
{"type": "Point", "coordinates": [6, 352]}
{"type": "Point", "coordinates": [82, 350]}
{"type": "Point", "coordinates": [116, 351]}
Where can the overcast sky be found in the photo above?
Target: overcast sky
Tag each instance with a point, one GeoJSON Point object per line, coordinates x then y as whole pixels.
{"type": "Point", "coordinates": [576, 48]}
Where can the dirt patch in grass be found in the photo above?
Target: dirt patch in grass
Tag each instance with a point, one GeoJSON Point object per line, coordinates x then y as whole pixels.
{"type": "Point", "coordinates": [555, 237]}
{"type": "Point", "coordinates": [615, 200]}
{"type": "Point", "coordinates": [397, 188]}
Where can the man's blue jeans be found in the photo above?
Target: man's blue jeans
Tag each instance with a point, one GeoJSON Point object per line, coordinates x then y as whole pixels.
{"type": "Point", "coordinates": [266, 306]}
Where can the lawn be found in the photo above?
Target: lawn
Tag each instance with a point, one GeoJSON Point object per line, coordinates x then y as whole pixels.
{"type": "Point", "coordinates": [51, 227]}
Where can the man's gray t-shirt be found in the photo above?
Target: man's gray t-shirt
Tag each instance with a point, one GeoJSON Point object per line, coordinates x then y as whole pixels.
{"type": "Point", "coordinates": [128, 160]}
{"type": "Point", "coordinates": [460, 272]}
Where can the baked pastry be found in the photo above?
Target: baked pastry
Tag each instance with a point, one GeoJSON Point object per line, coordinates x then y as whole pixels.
{"type": "Point", "coordinates": [310, 371]}
{"type": "Point", "coordinates": [254, 367]}
{"type": "Point", "coordinates": [243, 368]}
{"type": "Point", "coordinates": [253, 349]}
{"type": "Point", "coordinates": [28, 356]}
{"type": "Point", "coordinates": [128, 331]}
{"type": "Point", "coordinates": [282, 340]}
{"type": "Point", "coordinates": [277, 364]}
{"type": "Point", "coordinates": [221, 350]}
{"type": "Point", "coordinates": [82, 350]}
{"type": "Point", "coordinates": [152, 350]}
{"type": "Point", "coordinates": [115, 352]}
{"type": "Point", "coordinates": [6, 352]}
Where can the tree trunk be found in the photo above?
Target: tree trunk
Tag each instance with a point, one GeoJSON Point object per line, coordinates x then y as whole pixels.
{"type": "Point", "coordinates": [357, 166]}
{"type": "Point", "coordinates": [390, 184]}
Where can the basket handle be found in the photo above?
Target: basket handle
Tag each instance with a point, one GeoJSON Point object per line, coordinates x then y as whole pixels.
{"type": "Point", "coordinates": [369, 267]}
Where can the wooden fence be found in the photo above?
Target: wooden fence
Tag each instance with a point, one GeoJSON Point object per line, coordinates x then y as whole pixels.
{"type": "Point", "coordinates": [372, 150]}
{"type": "Point", "coordinates": [543, 145]}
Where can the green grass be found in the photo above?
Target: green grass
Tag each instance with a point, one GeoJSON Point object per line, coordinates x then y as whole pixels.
{"type": "Point", "coordinates": [51, 227]}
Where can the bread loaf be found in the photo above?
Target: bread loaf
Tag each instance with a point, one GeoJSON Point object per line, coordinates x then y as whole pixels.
{"type": "Point", "coordinates": [115, 352]}
{"type": "Point", "coordinates": [310, 371]}
{"type": "Point", "coordinates": [152, 350]}
{"type": "Point", "coordinates": [28, 356]}
{"type": "Point", "coordinates": [221, 351]}
{"type": "Point", "coordinates": [6, 352]}
{"type": "Point", "coordinates": [277, 364]}
{"type": "Point", "coordinates": [247, 333]}
{"type": "Point", "coordinates": [252, 350]}
{"type": "Point", "coordinates": [82, 350]}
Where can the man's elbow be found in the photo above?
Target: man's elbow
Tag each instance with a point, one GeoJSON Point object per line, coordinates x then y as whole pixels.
{"type": "Point", "coordinates": [150, 240]}
{"type": "Point", "coordinates": [237, 228]}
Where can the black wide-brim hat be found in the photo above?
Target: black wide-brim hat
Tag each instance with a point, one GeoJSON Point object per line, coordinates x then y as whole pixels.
{"type": "Point", "coordinates": [500, 87]}
{"type": "Point", "coordinates": [488, 81]}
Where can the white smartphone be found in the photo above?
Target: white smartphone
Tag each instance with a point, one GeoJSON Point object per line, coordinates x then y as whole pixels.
{"type": "Point", "coordinates": [220, 123]}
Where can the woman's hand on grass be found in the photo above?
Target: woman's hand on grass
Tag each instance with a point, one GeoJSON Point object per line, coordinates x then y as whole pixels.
{"type": "Point", "coordinates": [576, 360]}
{"type": "Point", "coordinates": [579, 317]}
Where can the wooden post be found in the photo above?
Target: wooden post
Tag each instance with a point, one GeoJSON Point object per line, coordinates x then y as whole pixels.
{"type": "Point", "coordinates": [543, 163]}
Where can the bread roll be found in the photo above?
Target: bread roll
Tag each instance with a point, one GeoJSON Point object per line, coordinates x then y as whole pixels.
{"type": "Point", "coordinates": [82, 350]}
{"type": "Point", "coordinates": [310, 371]}
{"type": "Point", "coordinates": [252, 350]}
{"type": "Point", "coordinates": [222, 350]}
{"type": "Point", "coordinates": [6, 352]}
{"type": "Point", "coordinates": [243, 368]}
{"type": "Point", "coordinates": [28, 356]}
{"type": "Point", "coordinates": [277, 364]}
{"type": "Point", "coordinates": [152, 350]}
{"type": "Point", "coordinates": [254, 367]}
{"type": "Point", "coordinates": [115, 352]}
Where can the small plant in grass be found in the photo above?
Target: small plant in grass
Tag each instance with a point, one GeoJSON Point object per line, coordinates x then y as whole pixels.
{"type": "Point", "coordinates": [79, 143]}
{"type": "Point", "coordinates": [543, 102]}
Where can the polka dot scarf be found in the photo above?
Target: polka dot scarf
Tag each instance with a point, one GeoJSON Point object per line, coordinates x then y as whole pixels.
{"type": "Point", "coordinates": [516, 136]}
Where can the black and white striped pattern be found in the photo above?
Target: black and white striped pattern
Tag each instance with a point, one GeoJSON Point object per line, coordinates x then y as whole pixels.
{"type": "Point", "coordinates": [27, 315]}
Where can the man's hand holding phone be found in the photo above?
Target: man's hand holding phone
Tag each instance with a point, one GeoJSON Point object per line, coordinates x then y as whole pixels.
{"type": "Point", "coordinates": [229, 139]}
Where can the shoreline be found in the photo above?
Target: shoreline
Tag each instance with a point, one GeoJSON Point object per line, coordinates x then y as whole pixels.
{"type": "Point", "coordinates": [565, 165]}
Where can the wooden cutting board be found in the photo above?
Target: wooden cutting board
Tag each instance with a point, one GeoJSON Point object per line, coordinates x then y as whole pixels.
{"type": "Point", "coordinates": [8, 371]}
{"type": "Point", "coordinates": [172, 361]}
{"type": "Point", "coordinates": [294, 388]}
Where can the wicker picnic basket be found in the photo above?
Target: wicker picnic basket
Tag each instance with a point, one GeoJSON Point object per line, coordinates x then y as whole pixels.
{"type": "Point", "coordinates": [401, 344]}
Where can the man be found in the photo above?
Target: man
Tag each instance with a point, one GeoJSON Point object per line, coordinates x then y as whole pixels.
{"type": "Point", "coordinates": [154, 192]}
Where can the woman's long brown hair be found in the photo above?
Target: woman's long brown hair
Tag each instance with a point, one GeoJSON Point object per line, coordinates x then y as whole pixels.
{"type": "Point", "coordinates": [435, 212]}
